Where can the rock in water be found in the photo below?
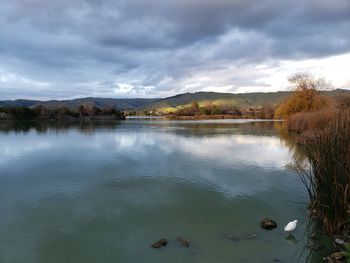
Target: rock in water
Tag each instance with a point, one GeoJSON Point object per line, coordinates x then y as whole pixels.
{"type": "Point", "coordinates": [160, 243]}
{"type": "Point", "coordinates": [184, 242]}
{"type": "Point", "coordinates": [336, 257]}
{"type": "Point", "coordinates": [233, 237]}
{"type": "Point", "coordinates": [268, 224]}
{"type": "Point", "coordinates": [313, 246]}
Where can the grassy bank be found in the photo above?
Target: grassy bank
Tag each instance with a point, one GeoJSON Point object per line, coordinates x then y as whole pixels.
{"type": "Point", "coordinates": [325, 139]}
{"type": "Point", "coordinates": [205, 117]}
{"type": "Point", "coordinates": [306, 121]}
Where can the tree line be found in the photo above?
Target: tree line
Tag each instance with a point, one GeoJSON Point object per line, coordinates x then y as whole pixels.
{"type": "Point", "coordinates": [59, 113]}
{"type": "Point", "coordinates": [265, 112]}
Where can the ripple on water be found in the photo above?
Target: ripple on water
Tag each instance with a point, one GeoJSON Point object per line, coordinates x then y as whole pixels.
{"type": "Point", "coordinates": [104, 194]}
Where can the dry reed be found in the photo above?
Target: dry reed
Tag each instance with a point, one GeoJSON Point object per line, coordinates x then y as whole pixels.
{"type": "Point", "coordinates": [325, 139]}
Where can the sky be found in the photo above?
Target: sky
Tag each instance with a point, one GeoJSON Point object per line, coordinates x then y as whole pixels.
{"type": "Point", "coordinates": [68, 49]}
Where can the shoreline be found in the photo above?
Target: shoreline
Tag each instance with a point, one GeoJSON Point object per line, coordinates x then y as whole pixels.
{"type": "Point", "coordinates": [212, 117]}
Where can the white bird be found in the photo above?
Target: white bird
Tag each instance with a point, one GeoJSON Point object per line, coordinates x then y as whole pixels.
{"type": "Point", "coordinates": [291, 226]}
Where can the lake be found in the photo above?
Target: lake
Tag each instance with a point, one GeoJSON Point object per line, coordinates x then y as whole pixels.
{"type": "Point", "coordinates": [105, 192]}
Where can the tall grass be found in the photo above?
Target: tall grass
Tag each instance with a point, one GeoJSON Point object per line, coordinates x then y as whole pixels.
{"type": "Point", "coordinates": [306, 121]}
{"type": "Point", "coordinates": [325, 139]}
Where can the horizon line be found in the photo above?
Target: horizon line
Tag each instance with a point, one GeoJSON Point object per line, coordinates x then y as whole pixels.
{"type": "Point", "coordinates": [160, 98]}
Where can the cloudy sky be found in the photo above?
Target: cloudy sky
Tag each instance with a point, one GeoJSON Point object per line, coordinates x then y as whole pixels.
{"type": "Point", "coordinates": [64, 49]}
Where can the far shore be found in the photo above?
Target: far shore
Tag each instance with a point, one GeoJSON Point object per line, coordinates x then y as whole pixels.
{"type": "Point", "coordinates": [208, 117]}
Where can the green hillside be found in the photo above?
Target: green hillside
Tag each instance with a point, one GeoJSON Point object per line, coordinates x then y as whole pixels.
{"type": "Point", "coordinates": [228, 99]}
{"type": "Point", "coordinates": [240, 100]}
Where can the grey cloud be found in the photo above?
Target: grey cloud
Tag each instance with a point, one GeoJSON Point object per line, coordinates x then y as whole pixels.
{"type": "Point", "coordinates": [159, 43]}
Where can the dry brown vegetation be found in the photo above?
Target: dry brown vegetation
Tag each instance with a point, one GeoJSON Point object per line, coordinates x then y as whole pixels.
{"type": "Point", "coordinates": [326, 143]}
{"type": "Point", "coordinates": [304, 121]}
{"type": "Point", "coordinates": [323, 126]}
{"type": "Point", "coordinates": [306, 98]}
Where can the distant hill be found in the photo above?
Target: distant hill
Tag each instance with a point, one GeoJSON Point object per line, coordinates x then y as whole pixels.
{"type": "Point", "coordinates": [240, 100]}
{"type": "Point", "coordinates": [229, 99]}
{"type": "Point", "coordinates": [170, 103]}
{"type": "Point", "coordinates": [121, 104]}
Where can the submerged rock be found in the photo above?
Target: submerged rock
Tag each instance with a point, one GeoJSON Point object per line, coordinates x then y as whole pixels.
{"type": "Point", "coordinates": [250, 236]}
{"type": "Point", "coordinates": [314, 246]}
{"type": "Point", "coordinates": [236, 238]}
{"type": "Point", "coordinates": [233, 237]}
{"type": "Point", "coordinates": [268, 224]}
{"type": "Point", "coordinates": [184, 242]}
{"type": "Point", "coordinates": [160, 243]}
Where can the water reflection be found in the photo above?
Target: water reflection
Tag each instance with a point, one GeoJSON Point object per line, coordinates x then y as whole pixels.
{"type": "Point", "coordinates": [92, 192]}
{"type": "Point", "coordinates": [291, 238]}
{"type": "Point", "coordinates": [260, 128]}
{"type": "Point", "coordinates": [318, 243]}
{"type": "Point", "coordinates": [56, 126]}
{"type": "Point", "coordinates": [196, 159]}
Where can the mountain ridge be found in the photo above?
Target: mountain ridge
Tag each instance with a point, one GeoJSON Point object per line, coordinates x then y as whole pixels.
{"type": "Point", "coordinates": [253, 99]}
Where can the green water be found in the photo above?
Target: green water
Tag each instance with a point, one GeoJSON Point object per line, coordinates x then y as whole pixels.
{"type": "Point", "coordinates": [105, 192]}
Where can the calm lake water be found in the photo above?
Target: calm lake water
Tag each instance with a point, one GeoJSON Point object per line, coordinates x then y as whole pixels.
{"type": "Point", "coordinates": [104, 193]}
